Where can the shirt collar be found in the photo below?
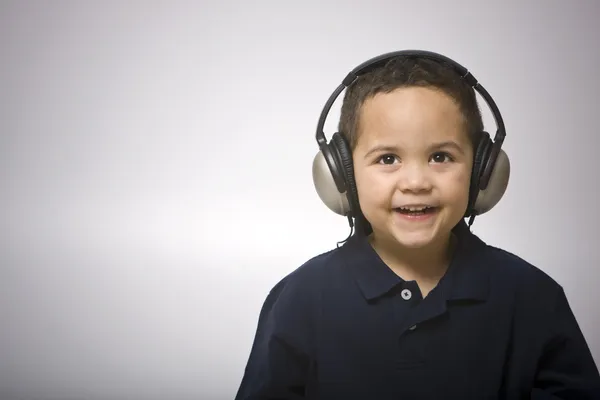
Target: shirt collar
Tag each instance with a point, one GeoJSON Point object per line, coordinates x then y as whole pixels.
{"type": "Point", "coordinates": [468, 273]}
{"type": "Point", "coordinates": [466, 278]}
{"type": "Point", "coordinates": [373, 276]}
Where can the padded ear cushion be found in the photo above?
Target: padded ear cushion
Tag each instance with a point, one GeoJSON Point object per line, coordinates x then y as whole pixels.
{"type": "Point", "coordinates": [345, 158]}
{"type": "Point", "coordinates": [479, 159]}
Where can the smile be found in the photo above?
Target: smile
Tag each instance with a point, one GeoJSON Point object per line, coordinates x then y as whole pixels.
{"type": "Point", "coordinates": [416, 213]}
{"type": "Point", "coordinates": [415, 210]}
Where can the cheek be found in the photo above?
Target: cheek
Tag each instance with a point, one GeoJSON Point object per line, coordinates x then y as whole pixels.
{"type": "Point", "coordinates": [373, 188]}
{"type": "Point", "coordinates": [456, 187]}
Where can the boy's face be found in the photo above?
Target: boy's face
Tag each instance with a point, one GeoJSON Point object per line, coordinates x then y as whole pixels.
{"type": "Point", "coordinates": [412, 150]}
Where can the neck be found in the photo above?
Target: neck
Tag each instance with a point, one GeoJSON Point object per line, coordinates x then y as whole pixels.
{"type": "Point", "coordinates": [426, 264]}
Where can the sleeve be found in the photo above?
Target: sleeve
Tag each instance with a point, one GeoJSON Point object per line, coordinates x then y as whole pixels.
{"type": "Point", "coordinates": [566, 369]}
{"type": "Point", "coordinates": [279, 361]}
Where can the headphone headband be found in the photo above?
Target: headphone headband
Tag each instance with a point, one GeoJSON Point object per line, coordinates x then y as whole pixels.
{"type": "Point", "coordinates": [381, 60]}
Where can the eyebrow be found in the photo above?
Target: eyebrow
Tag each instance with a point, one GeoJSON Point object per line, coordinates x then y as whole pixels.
{"type": "Point", "coordinates": [436, 146]}
{"type": "Point", "coordinates": [380, 148]}
{"type": "Point", "coordinates": [446, 144]}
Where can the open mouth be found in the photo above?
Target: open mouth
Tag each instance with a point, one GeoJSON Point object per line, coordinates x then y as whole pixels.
{"type": "Point", "coordinates": [416, 211]}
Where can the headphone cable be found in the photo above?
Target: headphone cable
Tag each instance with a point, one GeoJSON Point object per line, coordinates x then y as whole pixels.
{"type": "Point", "coordinates": [351, 223]}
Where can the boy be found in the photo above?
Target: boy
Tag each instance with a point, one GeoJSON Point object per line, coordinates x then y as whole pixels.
{"type": "Point", "coordinates": [414, 305]}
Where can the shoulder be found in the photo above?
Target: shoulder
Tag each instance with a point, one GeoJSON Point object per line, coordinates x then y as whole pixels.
{"type": "Point", "coordinates": [508, 272]}
{"type": "Point", "coordinates": [310, 275]}
{"type": "Point", "coordinates": [292, 304]}
{"type": "Point", "coordinates": [304, 283]}
{"type": "Point", "coordinates": [515, 266]}
{"type": "Point", "coordinates": [512, 273]}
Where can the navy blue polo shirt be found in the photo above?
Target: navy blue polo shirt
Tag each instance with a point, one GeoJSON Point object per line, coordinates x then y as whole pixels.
{"type": "Point", "coordinates": [345, 326]}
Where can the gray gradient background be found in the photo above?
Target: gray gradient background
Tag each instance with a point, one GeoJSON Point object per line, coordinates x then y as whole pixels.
{"type": "Point", "coordinates": [155, 171]}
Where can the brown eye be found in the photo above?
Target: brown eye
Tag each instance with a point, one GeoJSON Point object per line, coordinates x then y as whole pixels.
{"type": "Point", "coordinates": [441, 157]}
{"type": "Point", "coordinates": [387, 159]}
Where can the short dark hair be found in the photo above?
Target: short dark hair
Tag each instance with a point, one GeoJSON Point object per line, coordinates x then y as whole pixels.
{"type": "Point", "coordinates": [407, 71]}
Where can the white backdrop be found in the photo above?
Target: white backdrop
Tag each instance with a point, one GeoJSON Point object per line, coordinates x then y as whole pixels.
{"type": "Point", "coordinates": [155, 171]}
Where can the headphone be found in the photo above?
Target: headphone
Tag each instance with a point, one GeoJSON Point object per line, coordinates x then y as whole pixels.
{"type": "Point", "coordinates": [333, 171]}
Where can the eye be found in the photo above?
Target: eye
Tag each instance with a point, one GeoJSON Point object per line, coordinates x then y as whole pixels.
{"type": "Point", "coordinates": [387, 159]}
{"type": "Point", "coordinates": [441, 157]}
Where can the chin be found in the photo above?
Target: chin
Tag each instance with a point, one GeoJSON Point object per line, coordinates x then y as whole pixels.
{"type": "Point", "coordinates": [419, 236]}
{"type": "Point", "coordinates": [413, 240]}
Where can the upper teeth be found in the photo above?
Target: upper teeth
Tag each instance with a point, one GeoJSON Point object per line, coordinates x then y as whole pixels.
{"type": "Point", "coordinates": [414, 208]}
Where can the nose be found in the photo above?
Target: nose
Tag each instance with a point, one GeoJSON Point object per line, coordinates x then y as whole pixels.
{"type": "Point", "coordinates": [414, 178]}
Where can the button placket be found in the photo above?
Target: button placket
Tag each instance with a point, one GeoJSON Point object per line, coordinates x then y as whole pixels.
{"type": "Point", "coordinates": [410, 296]}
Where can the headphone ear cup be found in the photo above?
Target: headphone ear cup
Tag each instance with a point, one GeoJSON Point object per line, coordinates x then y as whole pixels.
{"type": "Point", "coordinates": [326, 187]}
{"type": "Point", "coordinates": [333, 176]}
{"type": "Point", "coordinates": [491, 195]}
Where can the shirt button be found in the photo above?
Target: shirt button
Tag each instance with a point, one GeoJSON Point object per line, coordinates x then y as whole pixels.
{"type": "Point", "coordinates": [406, 294]}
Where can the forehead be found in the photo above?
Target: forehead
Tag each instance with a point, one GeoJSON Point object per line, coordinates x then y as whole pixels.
{"type": "Point", "coordinates": [411, 116]}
